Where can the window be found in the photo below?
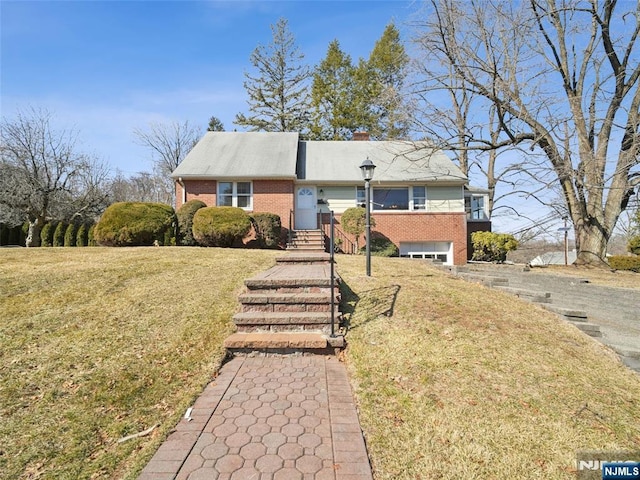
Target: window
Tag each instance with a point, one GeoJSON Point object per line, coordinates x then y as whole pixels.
{"type": "Point", "coordinates": [396, 198]}
{"type": "Point", "coordinates": [419, 198]}
{"type": "Point", "coordinates": [234, 194]}
{"type": "Point", "coordinates": [474, 206]}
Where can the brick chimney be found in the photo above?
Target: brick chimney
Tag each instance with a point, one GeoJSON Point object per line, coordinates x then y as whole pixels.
{"type": "Point", "coordinates": [360, 136]}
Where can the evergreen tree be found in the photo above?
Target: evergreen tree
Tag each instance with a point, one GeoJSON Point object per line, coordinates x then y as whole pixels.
{"type": "Point", "coordinates": [215, 125]}
{"type": "Point", "coordinates": [333, 97]}
{"type": "Point", "coordinates": [385, 74]}
{"type": "Point", "coordinates": [278, 92]}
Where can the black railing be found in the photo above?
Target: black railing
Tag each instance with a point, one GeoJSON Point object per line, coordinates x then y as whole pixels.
{"type": "Point", "coordinates": [333, 275]}
{"type": "Point", "coordinates": [342, 242]}
{"type": "Point", "coordinates": [291, 220]}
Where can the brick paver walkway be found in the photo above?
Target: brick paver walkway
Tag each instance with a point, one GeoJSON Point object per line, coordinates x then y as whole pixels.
{"type": "Point", "coordinates": [269, 418]}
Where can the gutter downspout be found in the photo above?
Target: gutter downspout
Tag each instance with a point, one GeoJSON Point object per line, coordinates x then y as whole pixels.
{"type": "Point", "coordinates": [184, 190]}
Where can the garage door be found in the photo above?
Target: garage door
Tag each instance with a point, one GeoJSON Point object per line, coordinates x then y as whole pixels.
{"type": "Point", "coordinates": [435, 250]}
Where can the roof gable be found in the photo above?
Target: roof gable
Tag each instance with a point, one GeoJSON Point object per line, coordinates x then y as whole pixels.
{"type": "Point", "coordinates": [241, 155]}
{"type": "Point", "coordinates": [396, 161]}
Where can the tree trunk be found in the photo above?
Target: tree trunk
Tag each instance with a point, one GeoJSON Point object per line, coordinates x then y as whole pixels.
{"type": "Point", "coordinates": [591, 244]}
{"type": "Point", "coordinates": [33, 237]}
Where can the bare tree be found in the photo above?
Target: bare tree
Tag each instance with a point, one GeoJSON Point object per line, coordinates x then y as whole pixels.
{"type": "Point", "coordinates": [562, 78]}
{"type": "Point", "coordinates": [141, 187]}
{"type": "Point", "coordinates": [44, 176]}
{"type": "Point", "coordinates": [169, 144]}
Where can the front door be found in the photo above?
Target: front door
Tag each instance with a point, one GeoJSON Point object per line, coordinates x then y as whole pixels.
{"type": "Point", "coordinates": [306, 208]}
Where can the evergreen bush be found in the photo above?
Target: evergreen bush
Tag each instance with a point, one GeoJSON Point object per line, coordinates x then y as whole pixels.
{"type": "Point", "coordinates": [70, 235]}
{"type": "Point", "coordinates": [58, 235]}
{"type": "Point", "coordinates": [625, 262]}
{"type": "Point", "coordinates": [4, 234]}
{"type": "Point", "coordinates": [135, 224]}
{"type": "Point", "coordinates": [81, 236]}
{"type": "Point", "coordinates": [381, 246]}
{"type": "Point", "coordinates": [492, 247]}
{"type": "Point", "coordinates": [268, 227]}
{"type": "Point", "coordinates": [91, 239]}
{"type": "Point", "coordinates": [46, 234]}
{"type": "Point", "coordinates": [15, 233]}
{"type": "Point", "coordinates": [353, 221]}
{"type": "Point", "coordinates": [185, 221]}
{"type": "Point", "coordinates": [634, 245]}
{"type": "Point", "coordinates": [220, 226]}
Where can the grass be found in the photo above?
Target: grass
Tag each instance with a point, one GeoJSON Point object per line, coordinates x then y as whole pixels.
{"type": "Point", "coordinates": [452, 380]}
{"type": "Point", "coordinates": [100, 343]}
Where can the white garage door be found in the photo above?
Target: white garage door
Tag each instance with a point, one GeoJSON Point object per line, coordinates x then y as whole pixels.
{"type": "Point", "coordinates": [436, 250]}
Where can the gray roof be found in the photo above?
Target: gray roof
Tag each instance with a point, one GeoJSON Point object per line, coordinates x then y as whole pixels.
{"type": "Point", "coordinates": [241, 155]}
{"type": "Point", "coordinates": [396, 161]}
{"type": "Point", "coordinates": [281, 155]}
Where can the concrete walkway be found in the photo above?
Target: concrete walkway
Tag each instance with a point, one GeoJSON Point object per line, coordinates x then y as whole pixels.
{"type": "Point", "coordinates": [269, 418]}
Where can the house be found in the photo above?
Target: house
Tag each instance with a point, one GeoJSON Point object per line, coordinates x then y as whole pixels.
{"type": "Point", "coordinates": [418, 193]}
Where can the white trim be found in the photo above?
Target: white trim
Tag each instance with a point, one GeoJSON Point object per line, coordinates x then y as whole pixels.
{"type": "Point", "coordinates": [234, 194]}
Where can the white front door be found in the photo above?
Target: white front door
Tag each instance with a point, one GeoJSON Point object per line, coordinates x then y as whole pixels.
{"type": "Point", "coordinates": [306, 208]}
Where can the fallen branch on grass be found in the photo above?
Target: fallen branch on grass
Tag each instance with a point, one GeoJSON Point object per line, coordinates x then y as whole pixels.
{"type": "Point", "coordinates": [139, 434]}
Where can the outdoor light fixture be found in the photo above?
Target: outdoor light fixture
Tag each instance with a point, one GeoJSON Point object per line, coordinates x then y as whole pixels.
{"type": "Point", "coordinates": [367, 169]}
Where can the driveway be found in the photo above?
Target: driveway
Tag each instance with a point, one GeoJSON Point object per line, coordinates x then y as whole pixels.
{"type": "Point", "coordinates": [615, 310]}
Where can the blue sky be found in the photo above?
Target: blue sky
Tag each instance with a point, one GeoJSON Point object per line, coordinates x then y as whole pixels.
{"type": "Point", "coordinates": [108, 67]}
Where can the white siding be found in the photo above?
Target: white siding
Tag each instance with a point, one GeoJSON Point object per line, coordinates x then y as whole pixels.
{"type": "Point", "coordinates": [445, 199]}
{"type": "Point", "coordinates": [338, 198]}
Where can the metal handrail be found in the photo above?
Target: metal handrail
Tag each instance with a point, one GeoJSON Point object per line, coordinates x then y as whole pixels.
{"type": "Point", "coordinates": [331, 261]}
{"type": "Point", "coordinates": [291, 220]}
{"type": "Point", "coordinates": [348, 246]}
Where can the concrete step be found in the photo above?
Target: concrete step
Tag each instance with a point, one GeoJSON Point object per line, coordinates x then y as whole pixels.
{"type": "Point", "coordinates": [282, 342]}
{"type": "Point", "coordinates": [488, 280]}
{"type": "Point", "coordinates": [529, 295]}
{"type": "Point", "coordinates": [589, 328]}
{"type": "Point", "coordinates": [570, 314]}
{"type": "Point", "coordinates": [303, 258]}
{"type": "Point", "coordinates": [287, 302]}
{"type": "Point", "coordinates": [284, 321]}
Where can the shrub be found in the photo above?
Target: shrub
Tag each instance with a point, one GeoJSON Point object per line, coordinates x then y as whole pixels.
{"type": "Point", "coordinates": [46, 234]}
{"type": "Point", "coordinates": [268, 227]}
{"type": "Point", "coordinates": [91, 239]}
{"type": "Point", "coordinates": [220, 226]}
{"type": "Point", "coordinates": [15, 233]}
{"type": "Point", "coordinates": [625, 262]}
{"type": "Point", "coordinates": [492, 247]}
{"type": "Point", "coordinates": [634, 245]}
{"type": "Point", "coordinates": [136, 223]}
{"type": "Point", "coordinates": [353, 221]}
{"type": "Point", "coordinates": [70, 235]}
{"type": "Point", "coordinates": [58, 235]}
{"type": "Point", "coordinates": [81, 236]}
{"type": "Point", "coordinates": [185, 221]}
{"type": "Point", "coordinates": [381, 246]}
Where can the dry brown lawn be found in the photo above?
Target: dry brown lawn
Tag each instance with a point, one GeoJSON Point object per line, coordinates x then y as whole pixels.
{"type": "Point", "coordinates": [452, 380]}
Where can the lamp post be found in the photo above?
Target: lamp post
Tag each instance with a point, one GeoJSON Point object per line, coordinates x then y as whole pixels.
{"type": "Point", "coordinates": [367, 169]}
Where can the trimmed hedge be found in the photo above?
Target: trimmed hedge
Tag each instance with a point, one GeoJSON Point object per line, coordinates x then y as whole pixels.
{"type": "Point", "coordinates": [634, 245]}
{"type": "Point", "coordinates": [136, 224]}
{"type": "Point", "coordinates": [58, 235]}
{"type": "Point", "coordinates": [383, 247]}
{"type": "Point", "coordinates": [46, 234]}
{"type": "Point", "coordinates": [625, 262]}
{"type": "Point", "coordinates": [81, 236]}
{"type": "Point", "coordinates": [220, 226]}
{"type": "Point", "coordinates": [185, 221]}
{"type": "Point", "coordinates": [268, 227]}
{"type": "Point", "coordinates": [70, 235]}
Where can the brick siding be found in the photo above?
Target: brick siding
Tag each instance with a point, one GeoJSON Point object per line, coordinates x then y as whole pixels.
{"type": "Point", "coordinates": [277, 196]}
